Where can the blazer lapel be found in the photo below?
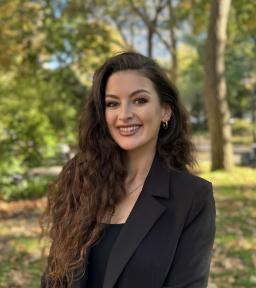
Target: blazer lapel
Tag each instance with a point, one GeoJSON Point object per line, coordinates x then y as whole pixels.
{"type": "Point", "coordinates": [144, 214]}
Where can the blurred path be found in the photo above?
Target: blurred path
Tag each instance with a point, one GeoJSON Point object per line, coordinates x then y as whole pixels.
{"type": "Point", "coordinates": [204, 147]}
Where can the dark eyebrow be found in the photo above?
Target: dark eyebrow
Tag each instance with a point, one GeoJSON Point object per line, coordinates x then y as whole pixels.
{"type": "Point", "coordinates": [130, 95]}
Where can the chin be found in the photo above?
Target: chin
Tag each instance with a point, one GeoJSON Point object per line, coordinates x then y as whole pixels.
{"type": "Point", "coordinates": [130, 146]}
{"type": "Point", "coordinates": [125, 145]}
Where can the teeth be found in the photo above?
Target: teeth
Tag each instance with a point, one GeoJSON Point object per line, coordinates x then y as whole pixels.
{"type": "Point", "coordinates": [129, 129]}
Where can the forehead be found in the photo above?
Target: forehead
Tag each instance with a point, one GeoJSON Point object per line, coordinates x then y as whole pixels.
{"type": "Point", "coordinates": [128, 81]}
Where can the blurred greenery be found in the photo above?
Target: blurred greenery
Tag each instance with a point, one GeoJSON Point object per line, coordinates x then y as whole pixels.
{"type": "Point", "coordinates": [45, 51]}
{"type": "Point", "coordinates": [49, 50]}
{"type": "Point", "coordinates": [242, 127]}
{"type": "Point", "coordinates": [25, 188]}
{"type": "Point", "coordinates": [48, 53]}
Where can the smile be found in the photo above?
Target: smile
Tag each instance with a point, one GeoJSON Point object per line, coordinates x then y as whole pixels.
{"type": "Point", "coordinates": [129, 130]}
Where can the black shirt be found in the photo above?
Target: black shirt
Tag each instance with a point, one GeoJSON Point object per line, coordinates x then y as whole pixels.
{"type": "Point", "coordinates": [99, 254]}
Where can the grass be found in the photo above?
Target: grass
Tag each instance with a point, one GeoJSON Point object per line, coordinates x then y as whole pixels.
{"type": "Point", "coordinates": [234, 256]}
{"type": "Point", "coordinates": [21, 260]}
{"type": "Point", "coordinates": [21, 263]}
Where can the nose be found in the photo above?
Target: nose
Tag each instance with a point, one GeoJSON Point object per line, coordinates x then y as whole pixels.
{"type": "Point", "coordinates": [125, 112]}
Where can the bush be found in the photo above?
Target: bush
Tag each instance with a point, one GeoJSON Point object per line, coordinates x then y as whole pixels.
{"type": "Point", "coordinates": [25, 188]}
{"type": "Point", "coordinates": [242, 127]}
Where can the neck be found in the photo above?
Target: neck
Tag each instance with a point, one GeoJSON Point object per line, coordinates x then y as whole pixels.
{"type": "Point", "coordinates": [138, 165]}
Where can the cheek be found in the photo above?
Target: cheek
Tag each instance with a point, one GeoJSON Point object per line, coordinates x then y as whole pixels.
{"type": "Point", "coordinates": [152, 116]}
{"type": "Point", "coordinates": [110, 118]}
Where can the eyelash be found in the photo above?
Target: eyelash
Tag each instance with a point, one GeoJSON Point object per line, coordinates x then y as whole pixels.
{"type": "Point", "coordinates": [112, 104]}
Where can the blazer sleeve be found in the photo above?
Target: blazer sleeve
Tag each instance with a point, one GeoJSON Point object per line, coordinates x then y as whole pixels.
{"type": "Point", "coordinates": [191, 264]}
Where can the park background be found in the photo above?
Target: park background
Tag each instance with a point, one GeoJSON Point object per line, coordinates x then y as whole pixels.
{"type": "Point", "coordinates": [48, 53]}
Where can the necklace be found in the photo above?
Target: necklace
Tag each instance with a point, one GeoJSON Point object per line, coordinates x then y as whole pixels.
{"type": "Point", "coordinates": [133, 190]}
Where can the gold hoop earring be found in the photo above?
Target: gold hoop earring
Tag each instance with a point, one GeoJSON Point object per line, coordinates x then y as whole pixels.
{"type": "Point", "coordinates": [165, 125]}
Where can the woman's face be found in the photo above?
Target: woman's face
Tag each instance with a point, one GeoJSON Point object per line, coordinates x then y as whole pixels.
{"type": "Point", "coordinates": [133, 110]}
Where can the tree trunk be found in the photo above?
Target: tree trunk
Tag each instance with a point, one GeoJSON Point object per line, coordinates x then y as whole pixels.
{"type": "Point", "coordinates": [173, 52]}
{"type": "Point", "coordinates": [215, 87]}
{"type": "Point", "coordinates": [150, 41]}
{"type": "Point", "coordinates": [254, 114]}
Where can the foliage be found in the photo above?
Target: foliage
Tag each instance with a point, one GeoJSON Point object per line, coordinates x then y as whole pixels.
{"type": "Point", "coordinates": [19, 187]}
{"type": "Point", "coordinates": [190, 80]}
{"type": "Point", "coordinates": [45, 51]}
{"type": "Point", "coordinates": [240, 56]}
{"type": "Point", "coordinates": [49, 50]}
{"type": "Point", "coordinates": [242, 127]}
{"type": "Point", "coordinates": [37, 114]}
{"type": "Point", "coordinates": [240, 53]}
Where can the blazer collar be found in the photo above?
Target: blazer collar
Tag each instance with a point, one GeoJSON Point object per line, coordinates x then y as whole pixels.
{"type": "Point", "coordinates": [144, 214]}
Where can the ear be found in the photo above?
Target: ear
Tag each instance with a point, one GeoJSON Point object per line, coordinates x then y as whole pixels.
{"type": "Point", "coordinates": [166, 112]}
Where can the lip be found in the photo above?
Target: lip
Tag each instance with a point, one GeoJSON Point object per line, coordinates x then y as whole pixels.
{"type": "Point", "coordinates": [128, 130]}
{"type": "Point", "coordinates": [126, 126]}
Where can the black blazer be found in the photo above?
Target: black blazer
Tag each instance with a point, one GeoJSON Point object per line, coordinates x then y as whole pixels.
{"type": "Point", "coordinates": [168, 237]}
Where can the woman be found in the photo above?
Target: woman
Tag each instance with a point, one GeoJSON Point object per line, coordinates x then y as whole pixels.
{"type": "Point", "coordinates": [125, 211]}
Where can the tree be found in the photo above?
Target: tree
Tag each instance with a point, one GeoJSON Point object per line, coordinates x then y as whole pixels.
{"type": "Point", "coordinates": [45, 52]}
{"type": "Point", "coordinates": [151, 21]}
{"type": "Point", "coordinates": [149, 13]}
{"type": "Point", "coordinates": [240, 57]}
{"type": "Point", "coordinates": [215, 87]}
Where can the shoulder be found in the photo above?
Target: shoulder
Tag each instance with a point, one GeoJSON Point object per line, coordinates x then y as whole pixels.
{"type": "Point", "coordinates": [191, 196]}
{"type": "Point", "coordinates": [190, 190]}
{"type": "Point", "coordinates": [186, 180]}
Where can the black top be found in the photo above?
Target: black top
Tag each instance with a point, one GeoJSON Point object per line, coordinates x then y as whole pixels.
{"type": "Point", "coordinates": [98, 256]}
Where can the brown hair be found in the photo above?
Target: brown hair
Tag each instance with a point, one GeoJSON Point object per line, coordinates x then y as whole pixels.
{"type": "Point", "coordinates": [92, 182]}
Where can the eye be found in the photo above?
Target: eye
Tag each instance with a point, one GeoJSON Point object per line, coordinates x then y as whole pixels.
{"type": "Point", "coordinates": [111, 104]}
{"type": "Point", "coordinates": [140, 100]}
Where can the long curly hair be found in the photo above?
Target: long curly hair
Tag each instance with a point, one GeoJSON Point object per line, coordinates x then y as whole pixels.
{"type": "Point", "coordinates": [91, 184]}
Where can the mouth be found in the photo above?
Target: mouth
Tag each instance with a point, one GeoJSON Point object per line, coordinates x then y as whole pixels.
{"type": "Point", "coordinates": [128, 130]}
